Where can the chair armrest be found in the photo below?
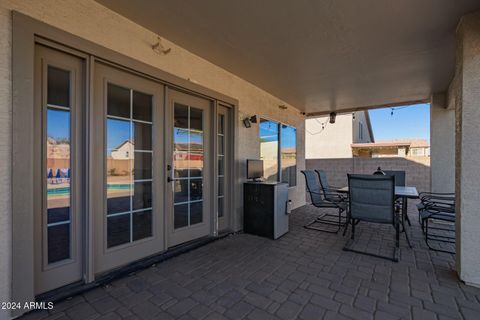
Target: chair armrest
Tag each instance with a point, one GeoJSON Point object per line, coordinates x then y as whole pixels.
{"type": "Point", "coordinates": [437, 196]}
{"type": "Point", "coordinates": [438, 201]}
{"type": "Point", "coordinates": [334, 188]}
{"type": "Point", "coordinates": [439, 215]}
{"type": "Point", "coordinates": [437, 193]}
{"type": "Point", "coordinates": [337, 190]}
{"type": "Point", "coordinates": [441, 203]}
{"type": "Point", "coordinates": [437, 209]}
{"type": "Point", "coordinates": [334, 195]}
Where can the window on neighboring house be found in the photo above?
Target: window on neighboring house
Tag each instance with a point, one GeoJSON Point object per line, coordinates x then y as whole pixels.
{"type": "Point", "coordinates": [418, 152]}
{"type": "Point", "coordinates": [360, 130]}
{"type": "Point", "coordinates": [278, 150]}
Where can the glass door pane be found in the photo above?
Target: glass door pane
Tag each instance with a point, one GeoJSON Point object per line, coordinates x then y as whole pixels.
{"type": "Point", "coordinates": [59, 178]}
{"type": "Point", "coordinates": [188, 163]}
{"type": "Point", "coordinates": [223, 175]}
{"type": "Point", "coordinates": [58, 145]}
{"type": "Point", "coordinates": [288, 151]}
{"type": "Point", "coordinates": [221, 163]}
{"type": "Point", "coordinates": [127, 170]}
{"type": "Point", "coordinates": [269, 149]}
{"type": "Point", "coordinates": [129, 165]}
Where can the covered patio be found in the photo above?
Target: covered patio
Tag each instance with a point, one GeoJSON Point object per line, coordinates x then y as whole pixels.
{"type": "Point", "coordinates": [304, 275]}
{"type": "Point", "coordinates": [149, 110]}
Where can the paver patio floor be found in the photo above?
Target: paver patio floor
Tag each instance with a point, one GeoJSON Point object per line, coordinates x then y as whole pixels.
{"type": "Point", "coordinates": [303, 275]}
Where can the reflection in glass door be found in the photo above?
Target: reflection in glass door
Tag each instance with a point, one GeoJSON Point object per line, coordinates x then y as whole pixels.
{"type": "Point", "coordinates": [269, 149]}
{"type": "Point", "coordinates": [127, 194]}
{"type": "Point", "coordinates": [58, 132]}
{"type": "Point", "coordinates": [188, 164]}
{"type": "Point", "coordinates": [58, 179]}
{"type": "Point", "coordinates": [129, 165]}
{"type": "Point", "coordinates": [189, 172]}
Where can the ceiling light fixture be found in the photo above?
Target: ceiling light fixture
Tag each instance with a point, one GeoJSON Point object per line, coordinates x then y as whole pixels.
{"type": "Point", "coordinates": [333, 116]}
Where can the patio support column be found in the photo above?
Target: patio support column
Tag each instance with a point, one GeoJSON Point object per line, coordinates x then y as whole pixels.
{"type": "Point", "coordinates": [467, 150]}
{"type": "Point", "coordinates": [442, 144]}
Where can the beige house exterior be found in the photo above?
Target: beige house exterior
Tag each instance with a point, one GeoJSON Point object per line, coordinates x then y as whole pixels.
{"type": "Point", "coordinates": [325, 140]}
{"type": "Point", "coordinates": [135, 42]}
{"type": "Point", "coordinates": [189, 73]}
{"type": "Point", "coordinates": [392, 148]}
{"type": "Point", "coordinates": [124, 151]}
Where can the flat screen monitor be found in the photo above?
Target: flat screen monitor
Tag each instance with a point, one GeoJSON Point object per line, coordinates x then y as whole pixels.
{"type": "Point", "coordinates": [254, 169]}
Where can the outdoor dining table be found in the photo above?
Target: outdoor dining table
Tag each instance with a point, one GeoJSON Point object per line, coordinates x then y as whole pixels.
{"type": "Point", "coordinates": [400, 192]}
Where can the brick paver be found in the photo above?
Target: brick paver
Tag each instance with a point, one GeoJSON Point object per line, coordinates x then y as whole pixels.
{"type": "Point", "coordinates": [304, 275]}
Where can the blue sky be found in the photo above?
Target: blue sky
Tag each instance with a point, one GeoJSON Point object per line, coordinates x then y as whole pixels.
{"type": "Point", "coordinates": [58, 124]}
{"type": "Point", "coordinates": [289, 137]}
{"type": "Point", "coordinates": [269, 132]}
{"type": "Point", "coordinates": [118, 132]}
{"type": "Point", "coordinates": [409, 122]}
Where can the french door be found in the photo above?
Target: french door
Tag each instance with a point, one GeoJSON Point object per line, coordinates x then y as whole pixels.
{"type": "Point", "coordinates": [127, 167]}
{"type": "Point", "coordinates": [189, 189]}
{"type": "Point", "coordinates": [135, 173]}
{"type": "Point", "coordinates": [58, 171]}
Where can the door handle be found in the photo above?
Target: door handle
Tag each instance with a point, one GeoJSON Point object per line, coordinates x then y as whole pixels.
{"type": "Point", "coordinates": [169, 179]}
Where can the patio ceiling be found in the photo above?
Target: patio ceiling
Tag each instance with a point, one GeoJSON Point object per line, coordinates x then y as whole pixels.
{"type": "Point", "coordinates": [317, 55]}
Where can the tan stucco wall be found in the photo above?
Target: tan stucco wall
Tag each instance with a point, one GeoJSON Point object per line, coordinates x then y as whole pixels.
{"type": "Point", "coordinates": [360, 117]}
{"type": "Point", "coordinates": [417, 169]}
{"type": "Point", "coordinates": [442, 143]}
{"type": "Point", "coordinates": [5, 158]}
{"type": "Point", "coordinates": [89, 20]}
{"type": "Point", "coordinates": [467, 149]}
{"type": "Point", "coordinates": [334, 141]}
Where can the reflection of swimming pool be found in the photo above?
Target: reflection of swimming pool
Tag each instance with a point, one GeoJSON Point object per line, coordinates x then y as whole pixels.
{"type": "Point", "coordinates": [66, 190]}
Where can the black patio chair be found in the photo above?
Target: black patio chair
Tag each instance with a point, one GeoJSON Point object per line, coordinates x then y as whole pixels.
{"type": "Point", "coordinates": [331, 194]}
{"type": "Point", "coordinates": [438, 201]}
{"type": "Point", "coordinates": [400, 177]}
{"type": "Point", "coordinates": [322, 199]}
{"type": "Point", "coordinates": [435, 207]}
{"type": "Point", "coordinates": [330, 191]}
{"type": "Point", "coordinates": [372, 199]}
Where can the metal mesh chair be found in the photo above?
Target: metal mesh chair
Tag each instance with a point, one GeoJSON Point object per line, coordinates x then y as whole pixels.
{"type": "Point", "coordinates": [435, 207]}
{"type": "Point", "coordinates": [330, 192]}
{"type": "Point", "coordinates": [400, 178]}
{"type": "Point", "coordinates": [331, 223]}
{"type": "Point", "coordinates": [372, 199]}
